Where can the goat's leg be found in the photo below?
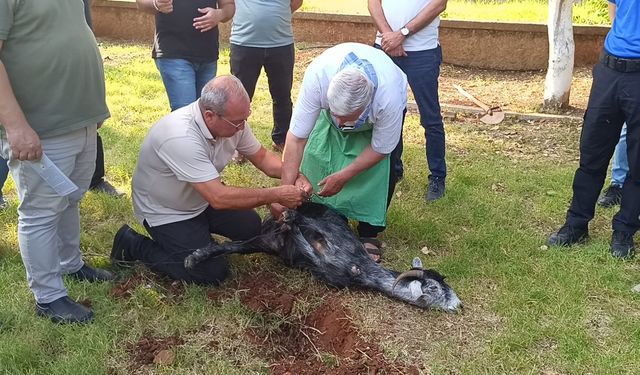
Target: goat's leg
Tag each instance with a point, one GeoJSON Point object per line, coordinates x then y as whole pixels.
{"type": "Point", "coordinates": [263, 243]}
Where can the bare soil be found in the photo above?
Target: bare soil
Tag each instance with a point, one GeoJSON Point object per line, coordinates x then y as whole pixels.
{"type": "Point", "coordinates": [320, 340]}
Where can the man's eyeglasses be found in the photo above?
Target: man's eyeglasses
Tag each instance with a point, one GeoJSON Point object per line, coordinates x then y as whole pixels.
{"type": "Point", "coordinates": [237, 126]}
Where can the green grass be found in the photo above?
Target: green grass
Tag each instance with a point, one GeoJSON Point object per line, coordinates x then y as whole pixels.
{"type": "Point", "coordinates": [592, 12]}
{"type": "Point", "coordinates": [528, 310]}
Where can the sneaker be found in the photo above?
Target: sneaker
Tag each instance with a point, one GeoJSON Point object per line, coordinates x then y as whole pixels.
{"type": "Point", "coordinates": [64, 310]}
{"type": "Point", "coordinates": [568, 236]}
{"type": "Point", "coordinates": [435, 190]}
{"type": "Point", "coordinates": [3, 203]}
{"type": "Point", "coordinates": [105, 187]}
{"type": "Point", "coordinates": [622, 244]}
{"type": "Point", "coordinates": [87, 273]}
{"type": "Point", "coordinates": [611, 196]}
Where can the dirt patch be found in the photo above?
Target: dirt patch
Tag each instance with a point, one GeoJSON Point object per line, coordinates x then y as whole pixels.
{"type": "Point", "coordinates": [149, 349]}
{"type": "Point", "coordinates": [323, 340]}
{"type": "Point", "coordinates": [171, 289]}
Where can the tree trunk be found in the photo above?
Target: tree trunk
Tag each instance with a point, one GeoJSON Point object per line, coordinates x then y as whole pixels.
{"type": "Point", "coordinates": [557, 85]}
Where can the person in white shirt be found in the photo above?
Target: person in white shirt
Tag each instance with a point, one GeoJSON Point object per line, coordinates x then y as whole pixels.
{"type": "Point", "coordinates": [408, 32]}
{"type": "Point", "coordinates": [346, 125]}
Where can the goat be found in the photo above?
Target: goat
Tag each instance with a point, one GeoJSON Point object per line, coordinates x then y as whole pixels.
{"type": "Point", "coordinates": [316, 238]}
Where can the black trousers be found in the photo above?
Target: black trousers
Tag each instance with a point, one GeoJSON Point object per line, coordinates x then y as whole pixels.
{"type": "Point", "coordinates": [614, 99]}
{"type": "Point", "coordinates": [173, 242]}
{"type": "Point", "coordinates": [246, 64]}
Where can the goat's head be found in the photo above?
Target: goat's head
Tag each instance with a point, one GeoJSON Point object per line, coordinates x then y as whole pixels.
{"type": "Point", "coordinates": [425, 289]}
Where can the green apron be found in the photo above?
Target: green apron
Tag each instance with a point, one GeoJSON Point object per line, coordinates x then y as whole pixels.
{"type": "Point", "coordinates": [329, 150]}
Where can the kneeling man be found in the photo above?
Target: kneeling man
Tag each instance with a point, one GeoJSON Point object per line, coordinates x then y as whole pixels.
{"type": "Point", "coordinates": [177, 192]}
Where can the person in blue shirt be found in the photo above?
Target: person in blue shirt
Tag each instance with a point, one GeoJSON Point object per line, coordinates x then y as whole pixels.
{"type": "Point", "coordinates": [614, 98]}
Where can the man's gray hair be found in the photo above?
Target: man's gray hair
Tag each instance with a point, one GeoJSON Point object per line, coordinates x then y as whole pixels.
{"type": "Point", "coordinates": [217, 92]}
{"type": "Point", "coordinates": [350, 91]}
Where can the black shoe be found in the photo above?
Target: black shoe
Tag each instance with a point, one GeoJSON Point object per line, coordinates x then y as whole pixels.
{"type": "Point", "coordinates": [105, 187]}
{"type": "Point", "coordinates": [122, 241]}
{"type": "Point", "coordinates": [611, 196]}
{"type": "Point", "coordinates": [64, 310]}
{"type": "Point", "coordinates": [87, 273]}
{"type": "Point", "coordinates": [435, 190]}
{"type": "Point", "coordinates": [568, 236]}
{"type": "Point", "coordinates": [622, 244]}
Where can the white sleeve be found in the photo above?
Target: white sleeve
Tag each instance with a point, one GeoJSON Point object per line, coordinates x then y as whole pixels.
{"type": "Point", "coordinates": [308, 105]}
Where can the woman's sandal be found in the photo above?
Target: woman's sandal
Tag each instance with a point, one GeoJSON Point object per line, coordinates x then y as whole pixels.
{"type": "Point", "coordinates": [373, 247]}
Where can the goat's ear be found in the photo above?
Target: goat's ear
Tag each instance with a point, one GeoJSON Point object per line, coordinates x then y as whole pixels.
{"type": "Point", "coordinates": [416, 263]}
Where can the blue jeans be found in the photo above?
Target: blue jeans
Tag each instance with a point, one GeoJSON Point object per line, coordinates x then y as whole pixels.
{"type": "Point", "coordinates": [422, 69]}
{"type": "Point", "coordinates": [620, 164]}
{"type": "Point", "coordinates": [184, 80]}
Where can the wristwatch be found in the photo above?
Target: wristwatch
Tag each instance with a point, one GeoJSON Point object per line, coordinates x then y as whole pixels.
{"type": "Point", "coordinates": [404, 31]}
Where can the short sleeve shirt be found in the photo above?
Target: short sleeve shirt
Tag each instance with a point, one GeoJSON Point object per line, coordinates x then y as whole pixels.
{"type": "Point", "coordinates": [179, 150]}
{"type": "Point", "coordinates": [623, 40]}
{"type": "Point", "coordinates": [53, 63]}
{"type": "Point", "coordinates": [387, 106]}
{"type": "Point", "coordinates": [399, 12]}
{"type": "Point", "coordinates": [262, 23]}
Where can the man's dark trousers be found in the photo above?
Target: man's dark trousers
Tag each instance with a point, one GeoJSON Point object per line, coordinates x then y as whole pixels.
{"type": "Point", "coordinates": [614, 99]}
{"type": "Point", "coordinates": [246, 64]}
{"type": "Point", "coordinates": [173, 242]}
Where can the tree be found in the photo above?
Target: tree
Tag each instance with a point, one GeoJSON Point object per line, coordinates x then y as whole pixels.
{"type": "Point", "coordinates": [557, 85]}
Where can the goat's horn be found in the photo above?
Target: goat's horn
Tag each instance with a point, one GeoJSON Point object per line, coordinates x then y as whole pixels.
{"type": "Point", "coordinates": [411, 274]}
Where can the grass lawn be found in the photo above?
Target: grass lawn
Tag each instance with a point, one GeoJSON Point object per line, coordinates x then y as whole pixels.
{"type": "Point", "coordinates": [528, 309]}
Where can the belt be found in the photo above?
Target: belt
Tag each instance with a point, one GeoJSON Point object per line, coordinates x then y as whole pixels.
{"type": "Point", "coordinates": [619, 64]}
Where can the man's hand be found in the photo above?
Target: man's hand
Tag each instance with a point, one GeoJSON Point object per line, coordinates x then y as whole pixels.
{"type": "Point", "coordinates": [290, 196]}
{"type": "Point", "coordinates": [164, 6]}
{"type": "Point", "coordinates": [391, 40]}
{"type": "Point", "coordinates": [210, 19]}
{"type": "Point", "coordinates": [24, 143]}
{"type": "Point", "coordinates": [303, 183]}
{"type": "Point", "coordinates": [332, 184]}
{"type": "Point", "coordinates": [396, 52]}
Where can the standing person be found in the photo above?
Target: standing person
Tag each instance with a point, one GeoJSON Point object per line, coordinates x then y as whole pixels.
{"type": "Point", "coordinates": [346, 123]}
{"type": "Point", "coordinates": [98, 183]}
{"type": "Point", "coordinates": [614, 98]}
{"type": "Point", "coordinates": [185, 46]}
{"type": "Point", "coordinates": [619, 169]}
{"type": "Point", "coordinates": [408, 32]}
{"type": "Point", "coordinates": [52, 103]}
{"type": "Point", "coordinates": [179, 196]}
{"type": "Point", "coordinates": [262, 36]}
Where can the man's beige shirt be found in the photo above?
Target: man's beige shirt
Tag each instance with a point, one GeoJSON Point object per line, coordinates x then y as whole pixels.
{"type": "Point", "coordinates": [179, 150]}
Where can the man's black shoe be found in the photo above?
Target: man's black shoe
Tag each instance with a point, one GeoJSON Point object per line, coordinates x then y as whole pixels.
{"type": "Point", "coordinates": [64, 310]}
{"type": "Point", "coordinates": [622, 244]}
{"type": "Point", "coordinates": [568, 236]}
{"type": "Point", "coordinates": [87, 273]}
{"type": "Point", "coordinates": [611, 196]}
{"type": "Point", "coordinates": [121, 242]}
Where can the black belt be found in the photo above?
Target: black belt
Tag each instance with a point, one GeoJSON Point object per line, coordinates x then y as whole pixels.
{"type": "Point", "coordinates": [619, 64]}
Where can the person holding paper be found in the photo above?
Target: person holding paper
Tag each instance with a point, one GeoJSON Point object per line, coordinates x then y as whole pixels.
{"type": "Point", "coordinates": [52, 103]}
{"type": "Point", "coordinates": [178, 193]}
